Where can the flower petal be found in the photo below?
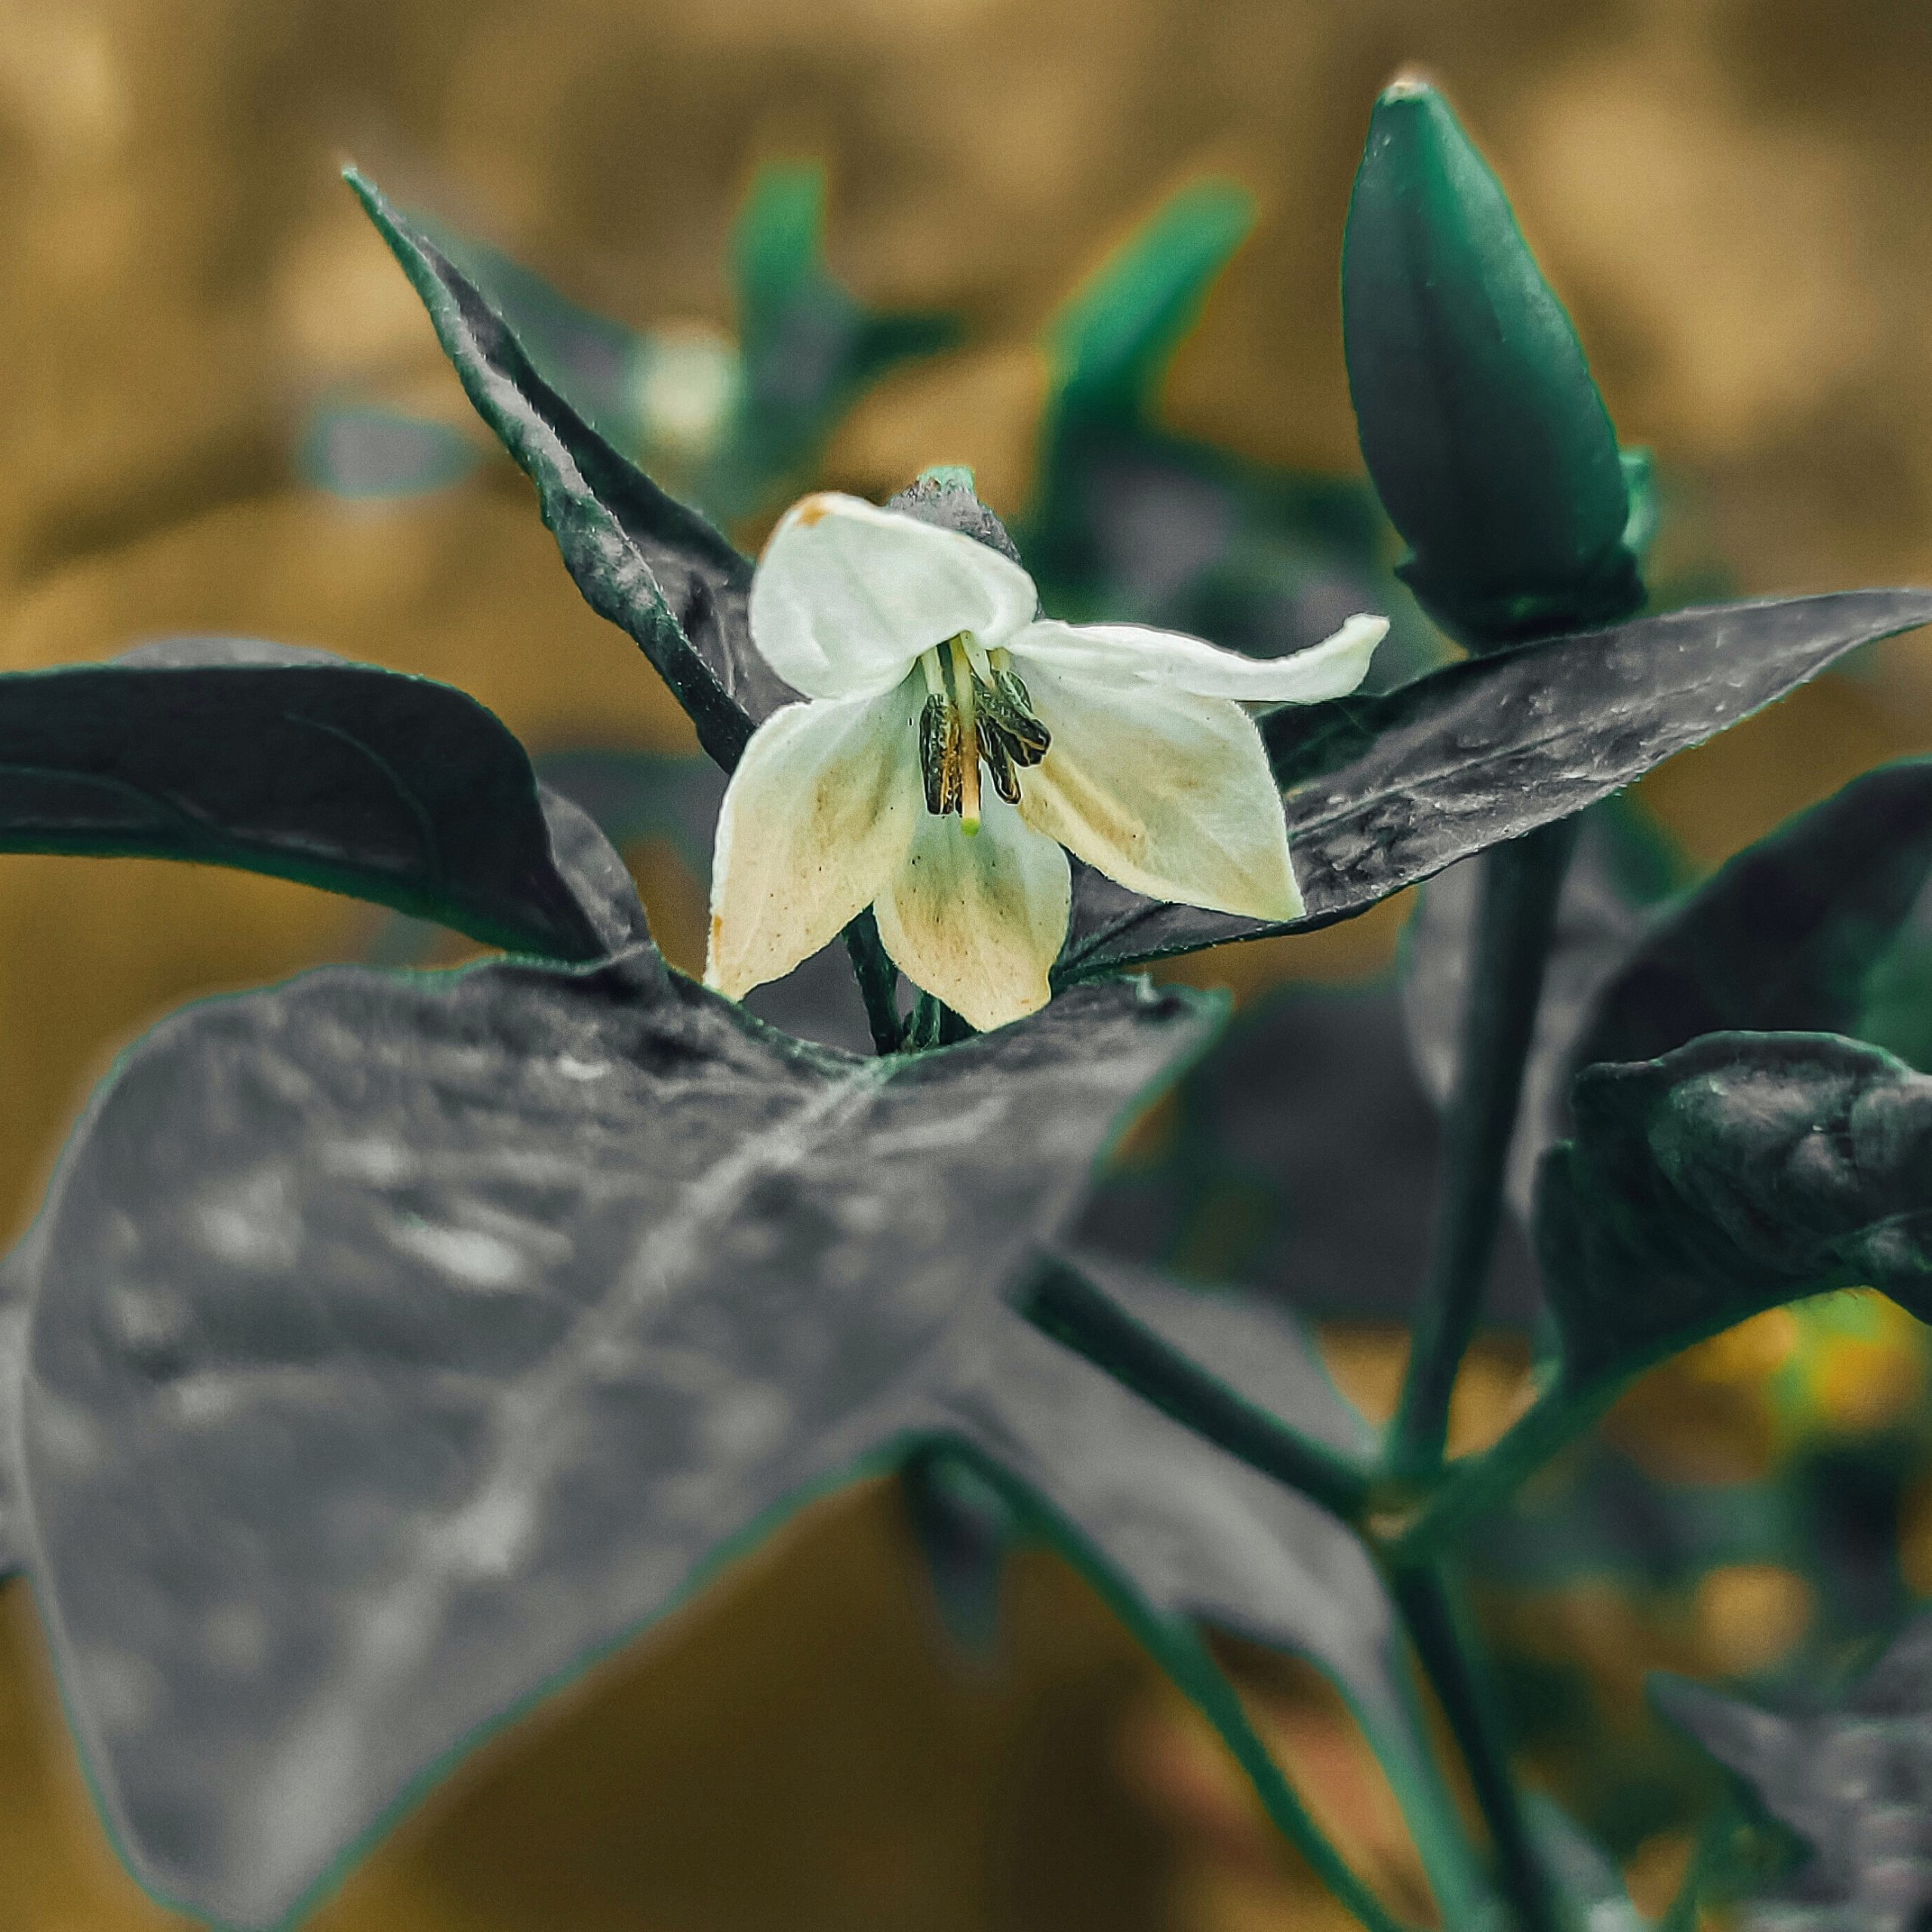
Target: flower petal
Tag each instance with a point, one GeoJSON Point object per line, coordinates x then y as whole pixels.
{"type": "Point", "coordinates": [1167, 793]}
{"type": "Point", "coordinates": [977, 922]}
{"type": "Point", "coordinates": [1113, 652]}
{"type": "Point", "coordinates": [847, 595]}
{"type": "Point", "coordinates": [816, 819]}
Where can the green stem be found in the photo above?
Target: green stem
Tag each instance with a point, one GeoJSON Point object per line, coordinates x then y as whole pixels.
{"type": "Point", "coordinates": [878, 981]}
{"type": "Point", "coordinates": [1064, 1303]}
{"type": "Point", "coordinates": [931, 1024]}
{"type": "Point", "coordinates": [1706, 1855]}
{"type": "Point", "coordinates": [1423, 1600]}
{"type": "Point", "coordinates": [1192, 1666]}
{"type": "Point", "coordinates": [1516, 914]}
{"type": "Point", "coordinates": [1443, 1841]}
{"type": "Point", "coordinates": [1177, 1647]}
{"type": "Point", "coordinates": [1479, 1484]}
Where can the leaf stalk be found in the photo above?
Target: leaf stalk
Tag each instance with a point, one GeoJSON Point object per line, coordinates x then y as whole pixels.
{"type": "Point", "coordinates": [1516, 914]}
{"type": "Point", "coordinates": [1064, 1303]}
{"type": "Point", "coordinates": [1422, 1597]}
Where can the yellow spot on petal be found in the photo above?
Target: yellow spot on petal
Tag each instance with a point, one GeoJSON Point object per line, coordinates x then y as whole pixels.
{"type": "Point", "coordinates": [811, 510]}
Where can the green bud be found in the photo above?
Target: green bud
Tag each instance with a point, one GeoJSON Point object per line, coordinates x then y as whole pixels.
{"type": "Point", "coordinates": [1485, 434]}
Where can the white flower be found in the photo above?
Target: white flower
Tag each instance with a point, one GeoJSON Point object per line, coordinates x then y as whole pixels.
{"type": "Point", "coordinates": [922, 660]}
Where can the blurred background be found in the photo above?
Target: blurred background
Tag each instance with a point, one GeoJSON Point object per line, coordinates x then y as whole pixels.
{"type": "Point", "coordinates": [225, 411]}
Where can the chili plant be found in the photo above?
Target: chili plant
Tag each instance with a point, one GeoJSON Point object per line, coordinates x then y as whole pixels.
{"type": "Point", "coordinates": [389, 1344]}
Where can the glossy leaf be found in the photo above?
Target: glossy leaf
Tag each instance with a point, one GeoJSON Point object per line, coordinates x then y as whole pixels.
{"type": "Point", "coordinates": [1851, 1782]}
{"type": "Point", "coordinates": [590, 360]}
{"type": "Point", "coordinates": [656, 569]}
{"type": "Point", "coordinates": [1784, 937]}
{"type": "Point", "coordinates": [584, 858]}
{"type": "Point", "coordinates": [596, 874]}
{"type": "Point", "coordinates": [272, 759]}
{"type": "Point", "coordinates": [465, 1322]}
{"type": "Point", "coordinates": [1741, 1171]}
{"type": "Point", "coordinates": [1382, 793]}
{"type": "Point", "coordinates": [1484, 434]}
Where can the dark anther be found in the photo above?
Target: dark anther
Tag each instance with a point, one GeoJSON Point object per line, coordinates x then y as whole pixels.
{"type": "Point", "coordinates": [1011, 704]}
{"type": "Point", "coordinates": [941, 754]}
{"type": "Point", "coordinates": [996, 748]}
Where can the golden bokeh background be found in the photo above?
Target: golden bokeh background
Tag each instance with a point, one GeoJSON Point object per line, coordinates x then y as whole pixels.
{"type": "Point", "coordinates": [1731, 195]}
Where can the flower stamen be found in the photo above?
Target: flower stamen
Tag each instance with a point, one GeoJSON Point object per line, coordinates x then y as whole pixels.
{"type": "Point", "coordinates": [982, 711]}
{"type": "Point", "coordinates": [965, 687]}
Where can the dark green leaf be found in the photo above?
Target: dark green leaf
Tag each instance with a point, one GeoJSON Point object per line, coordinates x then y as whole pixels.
{"type": "Point", "coordinates": [1896, 1012]}
{"type": "Point", "coordinates": [809, 346]}
{"type": "Point", "coordinates": [583, 858]}
{"type": "Point", "coordinates": [1200, 1535]}
{"type": "Point", "coordinates": [1111, 343]}
{"type": "Point", "coordinates": [1851, 1782]}
{"type": "Point", "coordinates": [594, 872]}
{"type": "Point", "coordinates": [1741, 1171]}
{"type": "Point", "coordinates": [733, 423]}
{"type": "Point", "coordinates": [1163, 1504]}
{"type": "Point", "coordinates": [1783, 938]}
{"type": "Point", "coordinates": [1383, 792]}
{"type": "Point", "coordinates": [964, 1528]}
{"type": "Point", "coordinates": [464, 1322]}
{"type": "Point", "coordinates": [229, 751]}
{"type": "Point", "coordinates": [590, 360]}
{"type": "Point", "coordinates": [656, 569]}
{"type": "Point", "coordinates": [1485, 436]}
{"type": "Point", "coordinates": [1263, 1178]}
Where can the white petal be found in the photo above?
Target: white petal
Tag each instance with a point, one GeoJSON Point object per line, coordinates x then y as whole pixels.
{"type": "Point", "coordinates": [1167, 793]}
{"type": "Point", "coordinates": [977, 922]}
{"type": "Point", "coordinates": [1113, 652]}
{"type": "Point", "coordinates": [817, 817]}
{"type": "Point", "coordinates": [847, 595]}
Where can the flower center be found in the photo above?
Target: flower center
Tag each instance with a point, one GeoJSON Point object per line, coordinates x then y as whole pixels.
{"type": "Point", "coordinates": [977, 709]}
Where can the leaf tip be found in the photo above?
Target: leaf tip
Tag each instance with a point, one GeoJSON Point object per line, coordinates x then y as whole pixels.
{"type": "Point", "coordinates": [374, 203]}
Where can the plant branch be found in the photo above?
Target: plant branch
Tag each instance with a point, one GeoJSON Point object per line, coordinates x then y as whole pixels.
{"type": "Point", "coordinates": [1706, 1858]}
{"type": "Point", "coordinates": [1515, 915]}
{"type": "Point", "coordinates": [878, 981]}
{"type": "Point", "coordinates": [1067, 1306]}
{"type": "Point", "coordinates": [1477, 1484]}
{"type": "Point", "coordinates": [1423, 1600]}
